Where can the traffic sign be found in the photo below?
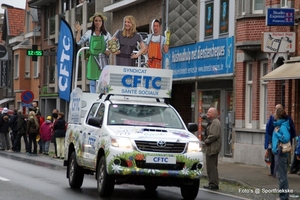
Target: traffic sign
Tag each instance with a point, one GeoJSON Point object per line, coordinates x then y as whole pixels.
{"type": "Point", "coordinates": [280, 17]}
{"type": "Point", "coordinates": [27, 96]}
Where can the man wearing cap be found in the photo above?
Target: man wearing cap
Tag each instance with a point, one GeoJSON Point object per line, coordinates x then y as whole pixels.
{"type": "Point", "coordinates": [155, 45]}
{"type": "Point", "coordinates": [4, 129]}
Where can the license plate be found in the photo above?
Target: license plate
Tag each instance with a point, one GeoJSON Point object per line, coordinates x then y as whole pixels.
{"type": "Point", "coordinates": [161, 160]}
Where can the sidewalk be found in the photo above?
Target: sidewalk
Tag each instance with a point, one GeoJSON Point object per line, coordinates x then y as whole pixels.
{"type": "Point", "coordinates": [253, 176]}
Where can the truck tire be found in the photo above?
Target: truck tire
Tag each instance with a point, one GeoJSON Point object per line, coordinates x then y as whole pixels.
{"type": "Point", "coordinates": [105, 182]}
{"type": "Point", "coordinates": [190, 192]}
{"type": "Point", "coordinates": [150, 187]}
{"type": "Point", "coordinates": [75, 172]}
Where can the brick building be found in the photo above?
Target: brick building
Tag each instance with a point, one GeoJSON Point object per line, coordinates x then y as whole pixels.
{"type": "Point", "coordinates": [255, 99]}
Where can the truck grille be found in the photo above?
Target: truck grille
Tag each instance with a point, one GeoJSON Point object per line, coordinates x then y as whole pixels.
{"type": "Point", "coordinates": [142, 164]}
{"type": "Point", "coordinates": [153, 146]}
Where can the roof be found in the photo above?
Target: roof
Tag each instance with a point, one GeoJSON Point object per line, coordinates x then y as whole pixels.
{"type": "Point", "coordinates": [14, 21]}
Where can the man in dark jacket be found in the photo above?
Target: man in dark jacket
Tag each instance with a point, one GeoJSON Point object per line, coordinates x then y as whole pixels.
{"type": "Point", "coordinates": [13, 128]}
{"type": "Point", "coordinates": [21, 127]}
{"type": "Point", "coordinates": [213, 142]}
{"type": "Point", "coordinates": [4, 129]}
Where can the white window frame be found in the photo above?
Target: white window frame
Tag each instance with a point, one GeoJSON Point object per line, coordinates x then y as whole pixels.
{"type": "Point", "coordinates": [243, 7]}
{"type": "Point", "coordinates": [257, 11]}
{"type": "Point", "coordinates": [36, 68]}
{"type": "Point", "coordinates": [249, 95]}
{"type": "Point", "coordinates": [16, 66]}
{"type": "Point", "coordinates": [284, 3]}
{"type": "Point", "coordinates": [27, 67]}
{"type": "Point", "coordinates": [263, 91]}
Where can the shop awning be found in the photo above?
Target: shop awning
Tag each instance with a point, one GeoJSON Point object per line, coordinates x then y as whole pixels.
{"type": "Point", "coordinates": [6, 100]}
{"type": "Point", "coordinates": [285, 71]}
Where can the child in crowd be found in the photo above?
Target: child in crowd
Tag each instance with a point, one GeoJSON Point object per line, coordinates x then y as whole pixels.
{"type": "Point", "coordinates": [46, 130]}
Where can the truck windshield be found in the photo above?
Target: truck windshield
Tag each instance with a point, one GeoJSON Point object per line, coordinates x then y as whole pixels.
{"type": "Point", "coordinates": [143, 115]}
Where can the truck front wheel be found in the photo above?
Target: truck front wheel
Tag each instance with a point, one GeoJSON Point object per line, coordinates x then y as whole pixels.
{"type": "Point", "coordinates": [105, 182]}
{"type": "Point", "coordinates": [75, 172]}
{"type": "Point", "coordinates": [190, 192]}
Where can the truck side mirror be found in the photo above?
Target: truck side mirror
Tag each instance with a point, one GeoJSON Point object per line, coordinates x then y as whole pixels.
{"type": "Point", "coordinates": [94, 121]}
{"type": "Point", "coordinates": [192, 127]}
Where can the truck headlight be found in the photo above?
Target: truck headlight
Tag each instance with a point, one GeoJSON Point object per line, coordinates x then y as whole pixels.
{"type": "Point", "coordinates": [124, 143]}
{"type": "Point", "coordinates": [194, 147]}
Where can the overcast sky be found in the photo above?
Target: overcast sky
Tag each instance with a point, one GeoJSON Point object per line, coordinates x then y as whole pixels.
{"type": "Point", "coordinates": [14, 3]}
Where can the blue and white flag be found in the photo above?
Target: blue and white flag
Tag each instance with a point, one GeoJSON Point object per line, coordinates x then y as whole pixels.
{"type": "Point", "coordinates": [64, 56]}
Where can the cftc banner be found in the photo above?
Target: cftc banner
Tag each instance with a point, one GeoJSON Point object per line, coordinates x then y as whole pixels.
{"type": "Point", "coordinates": [64, 56]}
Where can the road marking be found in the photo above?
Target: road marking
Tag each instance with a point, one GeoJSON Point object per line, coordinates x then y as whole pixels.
{"type": "Point", "coordinates": [3, 179]}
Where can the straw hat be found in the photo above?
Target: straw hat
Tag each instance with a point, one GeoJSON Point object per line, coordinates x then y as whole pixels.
{"type": "Point", "coordinates": [98, 14]}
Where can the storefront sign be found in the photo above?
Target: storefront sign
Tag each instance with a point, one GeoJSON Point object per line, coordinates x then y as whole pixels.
{"type": "Point", "coordinates": [209, 58]}
{"type": "Point", "coordinates": [280, 17]}
{"type": "Point", "coordinates": [279, 42]}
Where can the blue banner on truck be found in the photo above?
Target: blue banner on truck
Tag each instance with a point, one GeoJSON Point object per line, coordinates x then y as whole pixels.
{"type": "Point", "coordinates": [64, 56]}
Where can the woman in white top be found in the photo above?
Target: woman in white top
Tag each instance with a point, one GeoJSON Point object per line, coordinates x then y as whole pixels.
{"type": "Point", "coordinates": [97, 38]}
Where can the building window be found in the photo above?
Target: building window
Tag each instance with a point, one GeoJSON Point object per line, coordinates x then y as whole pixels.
{"type": "Point", "coordinates": [36, 68]}
{"type": "Point", "coordinates": [90, 10]}
{"type": "Point", "coordinates": [27, 66]}
{"type": "Point", "coordinates": [243, 7]}
{"type": "Point", "coordinates": [283, 3]}
{"type": "Point", "coordinates": [16, 66]}
{"type": "Point", "coordinates": [52, 69]}
{"type": "Point", "coordinates": [224, 22]}
{"type": "Point", "coordinates": [263, 96]}
{"type": "Point", "coordinates": [258, 6]}
{"type": "Point", "coordinates": [248, 111]}
{"type": "Point", "coordinates": [65, 5]}
{"type": "Point", "coordinates": [209, 19]}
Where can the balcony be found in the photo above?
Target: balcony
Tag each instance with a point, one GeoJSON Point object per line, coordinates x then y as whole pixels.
{"type": "Point", "coordinates": [121, 4]}
{"type": "Point", "coordinates": [34, 33]}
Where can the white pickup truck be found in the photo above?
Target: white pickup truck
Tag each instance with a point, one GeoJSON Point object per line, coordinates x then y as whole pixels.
{"type": "Point", "coordinates": [130, 135]}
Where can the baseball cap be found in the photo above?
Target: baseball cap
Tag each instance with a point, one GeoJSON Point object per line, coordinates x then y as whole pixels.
{"type": "Point", "coordinates": [5, 110]}
{"type": "Point", "coordinates": [49, 118]}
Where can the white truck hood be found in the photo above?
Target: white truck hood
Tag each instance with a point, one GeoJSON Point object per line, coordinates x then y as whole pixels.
{"type": "Point", "coordinates": [153, 133]}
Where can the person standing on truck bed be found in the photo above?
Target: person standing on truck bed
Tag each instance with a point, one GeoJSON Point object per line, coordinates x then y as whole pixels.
{"type": "Point", "coordinates": [128, 38]}
{"type": "Point", "coordinates": [212, 140]}
{"type": "Point", "coordinates": [97, 38]}
{"type": "Point", "coordinates": [156, 45]}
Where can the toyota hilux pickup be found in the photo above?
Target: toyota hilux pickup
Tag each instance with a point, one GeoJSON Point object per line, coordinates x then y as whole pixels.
{"type": "Point", "coordinates": [131, 135]}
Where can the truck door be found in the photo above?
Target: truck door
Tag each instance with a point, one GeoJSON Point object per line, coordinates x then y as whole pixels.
{"type": "Point", "coordinates": [93, 139]}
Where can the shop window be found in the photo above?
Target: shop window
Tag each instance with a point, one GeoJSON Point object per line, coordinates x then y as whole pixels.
{"type": "Point", "coordinates": [263, 115]}
{"type": "Point", "coordinates": [224, 16]}
{"type": "Point", "coordinates": [209, 19]}
{"type": "Point", "coordinates": [248, 111]}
